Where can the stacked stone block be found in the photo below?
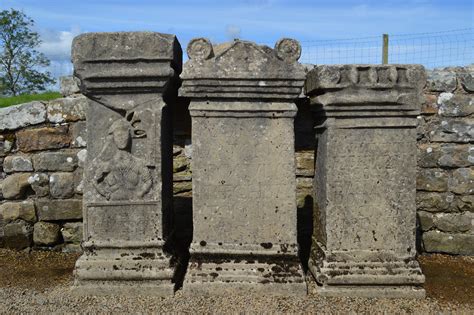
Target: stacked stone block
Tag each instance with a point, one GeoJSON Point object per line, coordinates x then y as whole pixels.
{"type": "Point", "coordinates": [42, 146]}
{"type": "Point", "coordinates": [445, 182]}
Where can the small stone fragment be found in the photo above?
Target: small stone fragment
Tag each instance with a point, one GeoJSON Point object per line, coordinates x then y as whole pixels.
{"type": "Point", "coordinates": [61, 185]}
{"type": "Point", "coordinates": [59, 210]}
{"type": "Point", "coordinates": [18, 234]}
{"type": "Point", "coordinates": [17, 163]}
{"type": "Point", "coordinates": [11, 211]}
{"type": "Point", "coordinates": [72, 232]}
{"type": "Point", "coordinates": [40, 184]}
{"type": "Point", "coordinates": [44, 138]}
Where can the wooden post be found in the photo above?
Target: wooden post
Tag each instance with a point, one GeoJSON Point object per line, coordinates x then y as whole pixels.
{"type": "Point", "coordinates": [385, 49]}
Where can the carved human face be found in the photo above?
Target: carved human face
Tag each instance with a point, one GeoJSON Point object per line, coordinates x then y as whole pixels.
{"type": "Point", "coordinates": [122, 137]}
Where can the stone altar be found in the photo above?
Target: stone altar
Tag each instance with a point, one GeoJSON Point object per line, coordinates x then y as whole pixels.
{"type": "Point", "coordinates": [244, 203]}
{"type": "Point", "coordinates": [130, 80]}
{"type": "Point", "coordinates": [365, 213]}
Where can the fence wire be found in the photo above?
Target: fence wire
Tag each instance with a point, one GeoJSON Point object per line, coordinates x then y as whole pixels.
{"type": "Point", "coordinates": [437, 49]}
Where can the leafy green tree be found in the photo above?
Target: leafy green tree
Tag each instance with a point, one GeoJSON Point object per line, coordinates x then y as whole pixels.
{"type": "Point", "coordinates": [20, 62]}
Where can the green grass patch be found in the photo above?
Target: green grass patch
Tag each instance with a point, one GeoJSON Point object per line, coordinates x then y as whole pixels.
{"type": "Point", "coordinates": [25, 98]}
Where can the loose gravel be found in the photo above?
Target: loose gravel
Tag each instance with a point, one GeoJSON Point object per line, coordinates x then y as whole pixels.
{"type": "Point", "coordinates": [38, 282]}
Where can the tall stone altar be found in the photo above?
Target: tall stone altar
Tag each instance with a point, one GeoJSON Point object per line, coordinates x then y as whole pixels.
{"type": "Point", "coordinates": [244, 200]}
{"type": "Point", "coordinates": [365, 214]}
{"type": "Point", "coordinates": [130, 79]}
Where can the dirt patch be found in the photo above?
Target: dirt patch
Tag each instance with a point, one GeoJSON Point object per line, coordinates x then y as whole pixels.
{"type": "Point", "coordinates": [449, 278]}
{"type": "Point", "coordinates": [38, 269]}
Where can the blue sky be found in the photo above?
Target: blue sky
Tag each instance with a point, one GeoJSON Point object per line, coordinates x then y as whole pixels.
{"type": "Point", "coordinates": [263, 21]}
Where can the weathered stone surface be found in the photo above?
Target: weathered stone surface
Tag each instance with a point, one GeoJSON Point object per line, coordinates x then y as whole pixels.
{"type": "Point", "coordinates": [40, 184]}
{"type": "Point", "coordinates": [365, 185]}
{"type": "Point", "coordinates": [180, 163]}
{"type": "Point", "coordinates": [179, 187]}
{"type": "Point", "coordinates": [128, 175]}
{"type": "Point", "coordinates": [72, 232]}
{"type": "Point", "coordinates": [11, 211]}
{"type": "Point", "coordinates": [455, 105]}
{"type": "Point", "coordinates": [305, 163]}
{"type": "Point", "coordinates": [426, 220]}
{"type": "Point", "coordinates": [439, 242]}
{"type": "Point", "coordinates": [440, 80]}
{"type": "Point", "coordinates": [15, 185]}
{"type": "Point", "coordinates": [449, 155]}
{"type": "Point", "coordinates": [453, 130]}
{"type": "Point", "coordinates": [454, 222]}
{"type": "Point", "coordinates": [69, 85]}
{"type": "Point", "coordinates": [243, 162]}
{"type": "Point", "coordinates": [43, 138]}
{"type": "Point", "coordinates": [432, 180]}
{"type": "Point", "coordinates": [67, 109]}
{"type": "Point", "coordinates": [430, 105]}
{"type": "Point", "coordinates": [61, 185]}
{"type": "Point", "coordinates": [467, 80]}
{"type": "Point", "coordinates": [46, 233]}
{"type": "Point", "coordinates": [435, 201]}
{"type": "Point", "coordinates": [19, 116]}
{"type": "Point", "coordinates": [18, 234]}
{"type": "Point", "coordinates": [461, 181]}
{"type": "Point", "coordinates": [17, 163]}
{"type": "Point", "coordinates": [59, 210]}
{"type": "Point", "coordinates": [466, 203]}
{"type": "Point", "coordinates": [62, 161]}
{"type": "Point", "coordinates": [78, 132]}
{"type": "Point", "coordinates": [6, 143]}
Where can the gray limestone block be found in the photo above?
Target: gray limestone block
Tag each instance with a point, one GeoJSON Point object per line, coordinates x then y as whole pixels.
{"type": "Point", "coordinates": [461, 181]}
{"type": "Point", "coordinates": [18, 234]}
{"type": "Point", "coordinates": [55, 161]}
{"type": "Point", "coordinates": [19, 116]}
{"type": "Point", "coordinates": [425, 220]}
{"type": "Point", "coordinates": [449, 243]}
{"type": "Point", "coordinates": [435, 201]}
{"type": "Point", "coordinates": [432, 180]}
{"type": "Point", "coordinates": [59, 210]}
{"type": "Point", "coordinates": [455, 105]}
{"type": "Point", "coordinates": [467, 80]}
{"type": "Point", "coordinates": [72, 232]}
{"type": "Point", "coordinates": [11, 211]}
{"type": "Point", "coordinates": [67, 109]}
{"type": "Point", "coordinates": [466, 203]}
{"type": "Point", "coordinates": [78, 132]}
{"type": "Point", "coordinates": [453, 130]}
{"type": "Point", "coordinates": [46, 233]}
{"type": "Point", "coordinates": [15, 185]}
{"type": "Point", "coordinates": [441, 80]}
{"type": "Point", "coordinates": [69, 85]}
{"type": "Point", "coordinates": [40, 184]}
{"type": "Point", "coordinates": [446, 155]}
{"type": "Point", "coordinates": [17, 163]}
{"type": "Point", "coordinates": [455, 155]}
{"type": "Point", "coordinates": [454, 222]}
{"type": "Point", "coordinates": [266, 73]}
{"type": "Point", "coordinates": [61, 185]}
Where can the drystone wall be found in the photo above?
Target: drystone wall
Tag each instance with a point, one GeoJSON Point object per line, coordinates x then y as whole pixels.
{"type": "Point", "coordinates": [42, 150]}
{"type": "Point", "coordinates": [445, 178]}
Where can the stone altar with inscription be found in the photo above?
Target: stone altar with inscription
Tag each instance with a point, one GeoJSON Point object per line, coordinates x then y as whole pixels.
{"type": "Point", "coordinates": [130, 80]}
{"type": "Point", "coordinates": [365, 214]}
{"type": "Point", "coordinates": [244, 199]}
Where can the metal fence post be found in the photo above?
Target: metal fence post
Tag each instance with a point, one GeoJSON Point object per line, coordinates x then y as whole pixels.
{"type": "Point", "coordinates": [385, 49]}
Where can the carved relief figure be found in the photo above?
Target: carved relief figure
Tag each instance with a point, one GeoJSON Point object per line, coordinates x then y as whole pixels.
{"type": "Point", "coordinates": [119, 175]}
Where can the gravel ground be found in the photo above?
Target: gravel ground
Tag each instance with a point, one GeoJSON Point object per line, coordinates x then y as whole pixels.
{"type": "Point", "coordinates": [38, 282]}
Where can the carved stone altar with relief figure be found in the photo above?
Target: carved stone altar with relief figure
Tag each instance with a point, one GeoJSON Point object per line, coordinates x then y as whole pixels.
{"type": "Point", "coordinates": [130, 80]}
{"type": "Point", "coordinates": [365, 213]}
{"type": "Point", "coordinates": [244, 191]}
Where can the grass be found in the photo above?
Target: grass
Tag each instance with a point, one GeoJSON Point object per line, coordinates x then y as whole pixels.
{"type": "Point", "coordinates": [25, 98]}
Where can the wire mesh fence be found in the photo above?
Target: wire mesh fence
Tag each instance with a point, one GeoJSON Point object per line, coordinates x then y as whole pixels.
{"type": "Point", "coordinates": [436, 49]}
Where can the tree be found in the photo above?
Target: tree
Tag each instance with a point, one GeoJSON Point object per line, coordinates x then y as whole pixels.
{"type": "Point", "coordinates": [20, 62]}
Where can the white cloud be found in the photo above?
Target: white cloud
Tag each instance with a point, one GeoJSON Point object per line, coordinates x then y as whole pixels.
{"type": "Point", "coordinates": [56, 45]}
{"type": "Point", "coordinates": [232, 32]}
